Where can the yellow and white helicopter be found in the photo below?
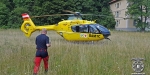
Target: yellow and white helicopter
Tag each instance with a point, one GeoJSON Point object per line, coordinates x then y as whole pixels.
{"type": "Point", "coordinates": [73, 29]}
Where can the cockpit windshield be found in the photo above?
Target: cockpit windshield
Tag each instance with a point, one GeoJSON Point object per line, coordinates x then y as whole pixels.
{"type": "Point", "coordinates": [101, 28]}
{"type": "Point", "coordinates": [72, 17]}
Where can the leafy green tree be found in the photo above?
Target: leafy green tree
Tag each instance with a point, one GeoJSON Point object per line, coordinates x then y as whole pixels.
{"type": "Point", "coordinates": [15, 19]}
{"type": "Point", "coordinates": [9, 4]}
{"type": "Point", "coordinates": [18, 7]}
{"type": "Point", "coordinates": [3, 15]}
{"type": "Point", "coordinates": [138, 10]}
{"type": "Point", "coordinates": [14, 8]}
{"type": "Point", "coordinates": [47, 7]}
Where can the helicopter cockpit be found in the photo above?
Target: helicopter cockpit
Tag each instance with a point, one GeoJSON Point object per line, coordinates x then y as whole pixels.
{"type": "Point", "coordinates": [91, 28]}
{"type": "Point", "coordinates": [73, 17]}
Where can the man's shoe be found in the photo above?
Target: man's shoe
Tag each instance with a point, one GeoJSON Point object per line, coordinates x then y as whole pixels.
{"type": "Point", "coordinates": [34, 73]}
{"type": "Point", "coordinates": [46, 71]}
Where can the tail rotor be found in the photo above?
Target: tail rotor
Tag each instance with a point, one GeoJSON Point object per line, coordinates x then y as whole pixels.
{"type": "Point", "coordinates": [28, 26]}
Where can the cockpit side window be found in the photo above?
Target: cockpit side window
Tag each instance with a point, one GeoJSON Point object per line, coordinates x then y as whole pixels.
{"type": "Point", "coordinates": [80, 28]}
{"type": "Point", "coordinates": [84, 29]}
{"type": "Point", "coordinates": [93, 29]}
{"type": "Point", "coordinates": [74, 28]}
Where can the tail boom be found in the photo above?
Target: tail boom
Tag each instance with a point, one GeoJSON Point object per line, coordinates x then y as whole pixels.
{"type": "Point", "coordinates": [48, 27]}
{"type": "Point", "coordinates": [28, 27]}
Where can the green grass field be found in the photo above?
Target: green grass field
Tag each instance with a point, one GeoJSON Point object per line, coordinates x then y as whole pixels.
{"type": "Point", "coordinates": [66, 58]}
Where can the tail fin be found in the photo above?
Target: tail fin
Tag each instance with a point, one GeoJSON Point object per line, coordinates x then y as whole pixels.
{"type": "Point", "coordinates": [28, 27]}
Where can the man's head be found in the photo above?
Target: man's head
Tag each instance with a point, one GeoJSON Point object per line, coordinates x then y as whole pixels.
{"type": "Point", "coordinates": [44, 31]}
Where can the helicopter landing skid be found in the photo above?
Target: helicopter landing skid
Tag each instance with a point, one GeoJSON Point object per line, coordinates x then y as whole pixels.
{"type": "Point", "coordinates": [108, 39]}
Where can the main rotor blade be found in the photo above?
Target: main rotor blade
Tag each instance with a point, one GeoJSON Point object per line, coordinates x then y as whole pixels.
{"type": "Point", "coordinates": [86, 14]}
{"type": "Point", "coordinates": [92, 15]}
{"type": "Point", "coordinates": [52, 15]}
{"type": "Point", "coordinates": [78, 13]}
{"type": "Point", "coordinates": [69, 11]}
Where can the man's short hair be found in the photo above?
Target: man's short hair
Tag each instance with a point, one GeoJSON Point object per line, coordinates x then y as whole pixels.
{"type": "Point", "coordinates": [44, 30]}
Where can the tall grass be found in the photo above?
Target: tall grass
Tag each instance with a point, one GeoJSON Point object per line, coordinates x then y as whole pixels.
{"type": "Point", "coordinates": [67, 58]}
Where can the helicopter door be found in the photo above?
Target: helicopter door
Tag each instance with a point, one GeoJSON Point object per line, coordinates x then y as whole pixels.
{"type": "Point", "coordinates": [81, 29]}
{"type": "Point", "coordinates": [79, 32]}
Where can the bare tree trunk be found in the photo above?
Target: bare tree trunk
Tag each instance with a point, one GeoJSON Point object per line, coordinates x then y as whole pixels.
{"type": "Point", "coordinates": [142, 25]}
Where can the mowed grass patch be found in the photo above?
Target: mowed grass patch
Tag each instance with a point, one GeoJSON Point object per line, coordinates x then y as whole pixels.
{"type": "Point", "coordinates": [67, 58]}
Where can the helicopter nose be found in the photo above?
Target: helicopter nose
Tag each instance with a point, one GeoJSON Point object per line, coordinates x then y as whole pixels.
{"type": "Point", "coordinates": [104, 31]}
{"type": "Point", "coordinates": [106, 34]}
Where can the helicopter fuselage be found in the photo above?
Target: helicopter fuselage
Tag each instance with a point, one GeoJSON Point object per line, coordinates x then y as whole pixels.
{"type": "Point", "coordinates": [71, 30]}
{"type": "Point", "coordinates": [80, 30]}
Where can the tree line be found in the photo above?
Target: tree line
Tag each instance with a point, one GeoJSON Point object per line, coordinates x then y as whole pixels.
{"type": "Point", "coordinates": [11, 10]}
{"type": "Point", "coordinates": [139, 10]}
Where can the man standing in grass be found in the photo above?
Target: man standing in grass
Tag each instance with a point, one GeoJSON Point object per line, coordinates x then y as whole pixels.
{"type": "Point", "coordinates": [42, 44]}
